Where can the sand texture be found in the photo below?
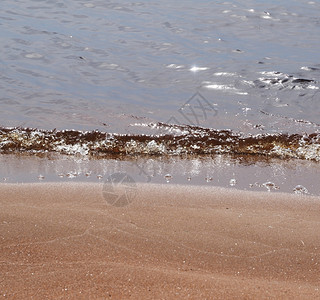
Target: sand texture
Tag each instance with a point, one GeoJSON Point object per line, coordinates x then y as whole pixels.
{"type": "Point", "coordinates": [64, 241]}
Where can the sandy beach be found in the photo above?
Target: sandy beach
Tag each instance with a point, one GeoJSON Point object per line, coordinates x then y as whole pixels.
{"type": "Point", "coordinates": [160, 150]}
{"type": "Point", "coordinates": [63, 240]}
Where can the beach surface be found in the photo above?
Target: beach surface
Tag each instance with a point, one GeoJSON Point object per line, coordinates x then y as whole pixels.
{"type": "Point", "coordinates": [65, 240]}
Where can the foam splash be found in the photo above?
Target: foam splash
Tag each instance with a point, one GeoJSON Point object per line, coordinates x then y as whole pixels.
{"type": "Point", "coordinates": [175, 140]}
{"type": "Point", "coordinates": [284, 81]}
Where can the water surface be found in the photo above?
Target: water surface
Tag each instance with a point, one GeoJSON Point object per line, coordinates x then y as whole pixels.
{"type": "Point", "coordinates": [201, 80]}
{"type": "Point", "coordinates": [107, 65]}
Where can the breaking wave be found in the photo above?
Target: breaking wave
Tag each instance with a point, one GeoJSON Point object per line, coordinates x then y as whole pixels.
{"type": "Point", "coordinates": [174, 140]}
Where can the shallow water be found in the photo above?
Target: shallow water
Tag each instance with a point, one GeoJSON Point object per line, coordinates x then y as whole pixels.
{"type": "Point", "coordinates": [237, 172]}
{"type": "Point", "coordinates": [108, 65]}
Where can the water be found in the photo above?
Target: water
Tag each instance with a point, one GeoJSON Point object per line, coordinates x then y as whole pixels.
{"type": "Point", "coordinates": [238, 172]}
{"type": "Point", "coordinates": [107, 65]}
{"type": "Point", "coordinates": [212, 77]}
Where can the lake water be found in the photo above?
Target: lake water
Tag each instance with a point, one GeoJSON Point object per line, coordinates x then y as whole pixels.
{"type": "Point", "coordinates": [229, 69]}
{"type": "Point", "coordinates": [108, 65]}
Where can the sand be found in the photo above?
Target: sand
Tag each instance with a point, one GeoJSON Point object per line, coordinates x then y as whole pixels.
{"type": "Point", "coordinates": [63, 240]}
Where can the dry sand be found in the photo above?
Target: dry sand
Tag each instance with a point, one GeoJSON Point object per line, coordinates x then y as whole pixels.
{"type": "Point", "coordinates": [63, 240]}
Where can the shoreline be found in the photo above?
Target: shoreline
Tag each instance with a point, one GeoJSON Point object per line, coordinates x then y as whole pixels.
{"type": "Point", "coordinates": [186, 140]}
{"type": "Point", "coordinates": [65, 240]}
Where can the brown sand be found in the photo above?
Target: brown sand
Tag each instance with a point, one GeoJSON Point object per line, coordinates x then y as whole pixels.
{"type": "Point", "coordinates": [62, 240]}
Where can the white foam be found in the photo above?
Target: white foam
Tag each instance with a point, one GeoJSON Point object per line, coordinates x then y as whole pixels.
{"type": "Point", "coordinates": [73, 149]}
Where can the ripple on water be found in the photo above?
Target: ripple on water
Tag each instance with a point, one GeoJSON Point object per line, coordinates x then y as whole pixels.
{"type": "Point", "coordinates": [34, 55]}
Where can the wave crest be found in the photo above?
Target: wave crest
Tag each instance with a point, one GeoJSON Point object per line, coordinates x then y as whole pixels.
{"type": "Point", "coordinates": [186, 140]}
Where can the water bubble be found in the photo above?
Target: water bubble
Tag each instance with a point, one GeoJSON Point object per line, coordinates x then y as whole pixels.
{"type": "Point", "coordinates": [168, 177]}
{"type": "Point", "coordinates": [251, 185]}
{"type": "Point", "coordinates": [301, 190]}
{"type": "Point", "coordinates": [270, 186]}
{"type": "Point", "coordinates": [61, 175]}
{"type": "Point", "coordinates": [71, 175]}
{"type": "Point", "coordinates": [189, 178]}
{"type": "Point", "coordinates": [233, 182]}
{"type": "Point", "coordinates": [208, 179]}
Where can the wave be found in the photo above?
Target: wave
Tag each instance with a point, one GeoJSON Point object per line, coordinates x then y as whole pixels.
{"type": "Point", "coordinates": [282, 81]}
{"type": "Point", "coordinates": [174, 140]}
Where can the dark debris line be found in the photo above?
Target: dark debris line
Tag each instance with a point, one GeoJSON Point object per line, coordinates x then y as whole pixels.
{"type": "Point", "coordinates": [192, 140]}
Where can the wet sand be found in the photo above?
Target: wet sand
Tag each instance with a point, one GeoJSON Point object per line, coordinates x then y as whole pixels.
{"type": "Point", "coordinates": [63, 240]}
